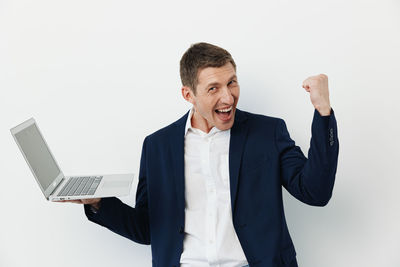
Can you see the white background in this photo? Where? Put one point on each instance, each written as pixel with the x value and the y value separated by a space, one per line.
pixel 99 76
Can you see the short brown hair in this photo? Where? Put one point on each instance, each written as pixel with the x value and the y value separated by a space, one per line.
pixel 198 57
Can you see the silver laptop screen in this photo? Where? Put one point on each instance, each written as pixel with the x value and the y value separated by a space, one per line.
pixel 38 155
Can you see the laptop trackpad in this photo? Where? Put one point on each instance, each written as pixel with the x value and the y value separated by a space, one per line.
pixel 114 184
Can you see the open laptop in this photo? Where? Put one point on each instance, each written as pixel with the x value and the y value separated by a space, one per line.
pixel 54 185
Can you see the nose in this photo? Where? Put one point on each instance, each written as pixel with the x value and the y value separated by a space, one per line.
pixel 226 97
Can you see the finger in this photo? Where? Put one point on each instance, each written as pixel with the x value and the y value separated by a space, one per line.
pixel 312 79
pixel 307 82
pixel 70 201
pixel 90 200
pixel 307 88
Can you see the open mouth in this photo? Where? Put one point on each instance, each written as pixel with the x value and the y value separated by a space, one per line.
pixel 224 114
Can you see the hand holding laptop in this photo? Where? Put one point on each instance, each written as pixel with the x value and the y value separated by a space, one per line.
pixel 94 202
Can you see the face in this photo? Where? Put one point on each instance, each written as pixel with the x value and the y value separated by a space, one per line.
pixel 217 94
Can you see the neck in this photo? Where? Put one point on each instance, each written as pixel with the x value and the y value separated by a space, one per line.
pixel 200 123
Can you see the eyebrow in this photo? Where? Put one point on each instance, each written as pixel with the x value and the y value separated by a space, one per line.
pixel 217 83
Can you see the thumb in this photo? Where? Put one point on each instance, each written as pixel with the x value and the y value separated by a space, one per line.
pixel 306 87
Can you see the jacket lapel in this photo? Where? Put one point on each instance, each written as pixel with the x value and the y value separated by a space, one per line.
pixel 177 154
pixel 236 146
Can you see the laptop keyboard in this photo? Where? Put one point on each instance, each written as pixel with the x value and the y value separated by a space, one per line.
pixel 79 186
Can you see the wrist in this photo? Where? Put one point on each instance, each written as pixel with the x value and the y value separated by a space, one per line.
pixel 324 111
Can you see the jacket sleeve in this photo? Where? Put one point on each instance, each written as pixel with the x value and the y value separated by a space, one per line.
pixel 310 180
pixel 132 223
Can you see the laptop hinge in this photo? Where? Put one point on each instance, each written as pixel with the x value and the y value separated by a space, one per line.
pixel 55 188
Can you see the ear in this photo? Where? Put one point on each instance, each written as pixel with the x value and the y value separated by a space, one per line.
pixel 187 94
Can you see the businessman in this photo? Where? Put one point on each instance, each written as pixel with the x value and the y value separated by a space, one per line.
pixel 210 184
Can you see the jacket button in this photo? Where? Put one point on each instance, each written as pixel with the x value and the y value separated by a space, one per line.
pixel 181 230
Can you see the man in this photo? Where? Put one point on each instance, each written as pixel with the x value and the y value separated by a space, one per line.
pixel 210 184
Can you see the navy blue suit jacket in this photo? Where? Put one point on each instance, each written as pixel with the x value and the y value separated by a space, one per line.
pixel 262 159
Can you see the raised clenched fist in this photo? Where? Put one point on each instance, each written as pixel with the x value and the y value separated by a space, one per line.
pixel 317 86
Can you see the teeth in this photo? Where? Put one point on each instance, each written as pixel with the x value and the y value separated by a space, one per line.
pixel 225 110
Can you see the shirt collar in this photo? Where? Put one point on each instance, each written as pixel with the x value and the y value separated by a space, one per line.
pixel 189 121
pixel 189 126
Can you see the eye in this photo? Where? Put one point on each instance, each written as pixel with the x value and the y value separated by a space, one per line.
pixel 231 82
pixel 212 89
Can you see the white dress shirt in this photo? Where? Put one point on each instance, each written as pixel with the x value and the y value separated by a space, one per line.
pixel 210 238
